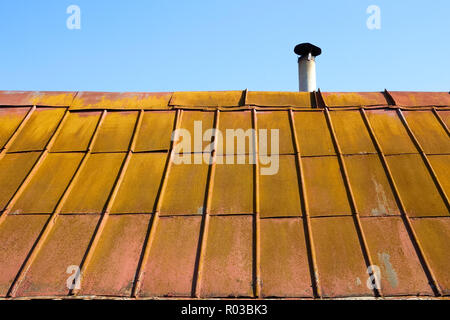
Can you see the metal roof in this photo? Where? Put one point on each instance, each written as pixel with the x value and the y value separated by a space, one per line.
pixel 86 179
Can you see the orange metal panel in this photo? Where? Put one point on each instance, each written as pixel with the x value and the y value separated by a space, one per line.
pixel 390 132
pixel 354 99
pixel 10 119
pixel 445 116
pixel 17 236
pixel 371 188
pixel 38 98
pixel 279 194
pixel 271 120
pixel 64 247
pixel 325 189
pixel 94 185
pixel 156 131
pixel 38 130
pixel 121 100
pixel 13 170
pixel 208 99
pixel 227 270
pixel 416 187
pixel 313 135
pixel 76 132
pixel 232 187
pixel 47 186
pixel 140 185
pixel 434 237
pixel 279 99
pixel 185 191
pixel 239 123
pixel 351 132
pixel 112 270
pixel 392 251
pixel 284 259
pixel 205 121
pixel 340 262
pixel 171 264
pixel 420 99
pixel 441 166
pixel 428 131
pixel 116 132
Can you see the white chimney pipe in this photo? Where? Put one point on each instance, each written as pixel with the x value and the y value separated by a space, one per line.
pixel 307 66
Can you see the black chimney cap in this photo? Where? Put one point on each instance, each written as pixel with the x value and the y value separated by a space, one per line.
pixel 303 49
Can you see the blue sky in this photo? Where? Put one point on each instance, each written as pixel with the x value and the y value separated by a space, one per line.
pixel 222 45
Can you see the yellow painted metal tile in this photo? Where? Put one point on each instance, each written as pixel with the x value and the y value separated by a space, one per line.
pixel 390 132
pixel 354 99
pixel 38 130
pixel 47 186
pixel 275 120
pixel 76 132
pixel 156 131
pixel 10 119
pixel 227 265
pixel 370 185
pixel 325 190
pixel 342 271
pixel 280 192
pixel 351 132
pixel 428 131
pixel 94 184
pixel 193 125
pixel 141 183
pixel 434 237
pixel 116 131
pixel 233 186
pixel 233 126
pixel 445 116
pixel 13 170
pixel 441 166
pixel 313 135
pixel 279 99
pixel 185 191
pixel 416 187
pixel 208 99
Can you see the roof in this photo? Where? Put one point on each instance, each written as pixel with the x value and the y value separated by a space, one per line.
pixel 86 180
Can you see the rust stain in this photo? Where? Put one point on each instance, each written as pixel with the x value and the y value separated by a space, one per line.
pixel 354 99
pixel 279 99
pixel 420 99
pixel 208 99
pixel 38 98
pixel 121 100
pixel 10 119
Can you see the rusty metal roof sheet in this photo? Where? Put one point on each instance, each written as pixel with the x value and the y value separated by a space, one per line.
pixel 89 180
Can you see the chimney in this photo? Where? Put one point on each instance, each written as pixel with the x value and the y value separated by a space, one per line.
pixel 307 66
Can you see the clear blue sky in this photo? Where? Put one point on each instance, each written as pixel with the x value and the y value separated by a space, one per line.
pixel 222 45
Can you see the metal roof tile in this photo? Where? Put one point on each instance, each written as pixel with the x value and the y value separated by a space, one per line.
pixel 279 99
pixel 47 186
pixel 284 259
pixel 325 190
pixel 64 247
pixel 390 132
pixel 434 237
pixel 441 165
pixel 38 130
pixel 428 131
pixel 313 135
pixel 416 187
pixel 171 264
pixel 17 236
pixel 13 170
pixel 93 187
pixel 37 98
pixel 240 122
pixel 208 99
pixel 115 132
pixel 275 120
pixel 121 100
pixel 351 132
pixel 279 194
pixel 203 121
pixel 10 119
pixel 371 188
pixel 445 116
pixel 391 249
pixel 112 270
pixel 76 132
pixel 156 131
pixel 139 188
pixel 420 99
pixel 227 263
pixel 354 99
